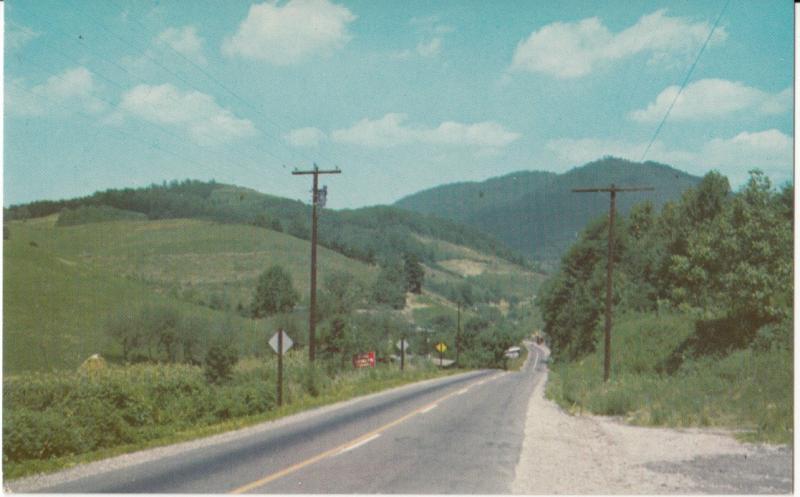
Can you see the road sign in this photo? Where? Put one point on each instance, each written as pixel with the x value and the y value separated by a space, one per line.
pixel 441 347
pixel 287 342
pixel 364 360
pixel 402 344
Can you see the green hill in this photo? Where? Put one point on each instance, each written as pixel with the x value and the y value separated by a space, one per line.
pixel 536 213
pixel 62 283
pixel 190 258
pixel 372 234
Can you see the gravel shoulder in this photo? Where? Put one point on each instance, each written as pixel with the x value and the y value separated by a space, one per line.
pixel 586 454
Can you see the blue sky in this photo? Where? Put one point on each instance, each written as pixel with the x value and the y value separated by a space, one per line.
pixel 402 96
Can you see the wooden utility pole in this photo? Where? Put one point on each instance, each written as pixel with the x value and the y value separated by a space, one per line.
pixel 280 367
pixel 402 353
pixel 610 265
pixel 316 200
pixel 458 332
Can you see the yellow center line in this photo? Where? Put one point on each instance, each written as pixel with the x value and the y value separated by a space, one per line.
pixel 339 448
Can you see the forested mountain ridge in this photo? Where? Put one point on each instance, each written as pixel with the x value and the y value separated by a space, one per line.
pixel 537 213
pixel 370 234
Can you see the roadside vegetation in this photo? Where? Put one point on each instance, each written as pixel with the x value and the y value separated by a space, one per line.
pixel 703 299
pixel 56 420
pixel 179 312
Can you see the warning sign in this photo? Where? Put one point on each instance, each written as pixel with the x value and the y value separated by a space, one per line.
pixel 441 347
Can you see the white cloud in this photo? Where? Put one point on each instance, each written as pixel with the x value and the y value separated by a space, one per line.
pixel 713 98
pixel 73 89
pixel 18 35
pixel 575 49
pixel 184 41
pixel 770 151
pixel 429 48
pixel 203 119
pixel 305 137
pixel 288 34
pixel 391 130
pixel 431 35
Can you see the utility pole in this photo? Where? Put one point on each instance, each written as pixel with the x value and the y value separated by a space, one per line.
pixel 458 332
pixel 280 367
pixel 403 353
pixel 610 265
pixel 316 200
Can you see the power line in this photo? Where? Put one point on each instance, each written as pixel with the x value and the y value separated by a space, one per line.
pixel 158 127
pixel 129 136
pixel 122 87
pixel 249 105
pixel 685 80
pixel 147 55
pixel 219 83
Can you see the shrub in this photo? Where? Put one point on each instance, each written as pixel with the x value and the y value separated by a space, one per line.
pixel 274 293
pixel 220 360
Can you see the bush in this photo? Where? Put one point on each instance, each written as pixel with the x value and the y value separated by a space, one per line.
pixel 29 434
pixel 274 293
pixel 314 380
pixel 220 360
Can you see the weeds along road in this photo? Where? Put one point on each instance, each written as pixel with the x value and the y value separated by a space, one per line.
pixel 460 434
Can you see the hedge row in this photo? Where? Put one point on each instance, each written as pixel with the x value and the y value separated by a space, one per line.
pixel 47 415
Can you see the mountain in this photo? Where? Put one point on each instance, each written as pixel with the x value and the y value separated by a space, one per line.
pixel 537 213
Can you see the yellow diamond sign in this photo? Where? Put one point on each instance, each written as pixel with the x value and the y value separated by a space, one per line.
pixel 441 347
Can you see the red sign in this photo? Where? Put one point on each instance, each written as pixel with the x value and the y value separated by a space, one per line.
pixel 364 360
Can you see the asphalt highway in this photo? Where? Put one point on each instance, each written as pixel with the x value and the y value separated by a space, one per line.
pixel 460 434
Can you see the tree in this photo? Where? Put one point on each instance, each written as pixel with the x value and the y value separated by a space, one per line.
pixel 274 293
pixel 414 272
pixel 390 287
pixel 123 327
pixel 220 360
pixel 340 294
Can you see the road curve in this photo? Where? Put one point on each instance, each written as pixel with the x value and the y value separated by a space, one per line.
pixel 460 434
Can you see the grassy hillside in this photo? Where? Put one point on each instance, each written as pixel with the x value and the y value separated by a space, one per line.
pixel 63 282
pixel 55 305
pixel 197 260
pixel 536 213
pixel 749 390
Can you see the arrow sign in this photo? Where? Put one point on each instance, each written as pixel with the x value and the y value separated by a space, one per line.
pixel 287 342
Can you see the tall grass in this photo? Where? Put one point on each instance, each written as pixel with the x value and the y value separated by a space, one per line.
pixel 54 420
pixel 748 391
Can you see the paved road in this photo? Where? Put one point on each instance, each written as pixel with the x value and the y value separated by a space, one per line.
pixel 460 434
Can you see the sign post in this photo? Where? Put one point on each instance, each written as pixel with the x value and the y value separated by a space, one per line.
pixel 280 344
pixel 402 345
pixel 441 347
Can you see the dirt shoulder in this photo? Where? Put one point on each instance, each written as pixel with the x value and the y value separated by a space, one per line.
pixel 565 454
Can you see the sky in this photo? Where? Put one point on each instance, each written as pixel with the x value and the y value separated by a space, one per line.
pixel 402 96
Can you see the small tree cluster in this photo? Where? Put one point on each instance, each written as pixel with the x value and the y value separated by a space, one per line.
pixel 274 293
pixel 159 333
pixel 220 360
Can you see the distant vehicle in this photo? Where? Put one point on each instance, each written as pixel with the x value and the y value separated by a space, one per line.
pixel 513 352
